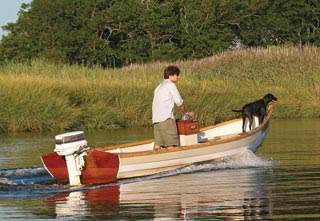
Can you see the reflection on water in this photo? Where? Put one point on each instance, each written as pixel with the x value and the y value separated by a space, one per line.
pixel 280 182
pixel 100 201
pixel 294 143
pixel 236 194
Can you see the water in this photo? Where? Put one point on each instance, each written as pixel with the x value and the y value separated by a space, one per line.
pixel 280 182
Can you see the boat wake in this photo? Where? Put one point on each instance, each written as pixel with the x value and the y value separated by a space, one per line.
pixel 29 175
pixel 36 181
pixel 246 159
pixel 29 181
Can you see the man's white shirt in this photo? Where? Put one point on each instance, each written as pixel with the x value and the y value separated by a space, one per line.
pixel 166 95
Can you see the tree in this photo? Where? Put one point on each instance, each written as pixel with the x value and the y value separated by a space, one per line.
pixel 115 33
pixel 205 28
pixel 274 22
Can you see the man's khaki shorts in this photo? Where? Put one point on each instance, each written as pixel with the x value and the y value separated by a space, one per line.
pixel 166 133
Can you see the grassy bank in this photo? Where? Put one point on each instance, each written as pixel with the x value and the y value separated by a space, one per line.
pixel 42 96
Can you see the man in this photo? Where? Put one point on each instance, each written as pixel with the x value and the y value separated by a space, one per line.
pixel 166 95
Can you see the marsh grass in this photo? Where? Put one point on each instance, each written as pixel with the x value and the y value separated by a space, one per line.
pixel 43 96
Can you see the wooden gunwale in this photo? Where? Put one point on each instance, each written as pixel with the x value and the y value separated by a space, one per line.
pixel 112 147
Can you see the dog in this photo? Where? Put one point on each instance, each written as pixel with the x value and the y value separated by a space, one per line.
pixel 257 108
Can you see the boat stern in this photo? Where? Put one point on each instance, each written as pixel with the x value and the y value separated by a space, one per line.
pixel 73 162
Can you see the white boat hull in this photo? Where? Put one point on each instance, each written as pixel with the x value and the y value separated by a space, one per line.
pixel 110 163
pixel 134 166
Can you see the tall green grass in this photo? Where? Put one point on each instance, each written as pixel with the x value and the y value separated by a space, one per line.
pixel 43 96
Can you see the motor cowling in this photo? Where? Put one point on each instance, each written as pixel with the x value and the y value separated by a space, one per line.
pixel 70 143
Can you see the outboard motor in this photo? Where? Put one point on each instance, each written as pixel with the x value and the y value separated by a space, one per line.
pixel 73 146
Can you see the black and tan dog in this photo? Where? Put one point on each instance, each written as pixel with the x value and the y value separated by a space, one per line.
pixel 257 108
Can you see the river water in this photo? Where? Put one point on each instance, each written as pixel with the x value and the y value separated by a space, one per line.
pixel 280 182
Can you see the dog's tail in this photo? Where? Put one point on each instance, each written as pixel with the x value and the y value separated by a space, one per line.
pixel 237 110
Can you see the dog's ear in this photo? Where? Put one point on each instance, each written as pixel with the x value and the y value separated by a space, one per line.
pixel 268 96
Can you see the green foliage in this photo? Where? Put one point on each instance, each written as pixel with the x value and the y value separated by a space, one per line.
pixel 124 32
pixel 31 104
pixel 43 96
pixel 275 22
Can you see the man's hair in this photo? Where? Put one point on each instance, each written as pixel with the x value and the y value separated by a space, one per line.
pixel 171 70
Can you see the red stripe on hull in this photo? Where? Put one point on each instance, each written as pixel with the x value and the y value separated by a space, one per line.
pixel 100 167
pixel 57 166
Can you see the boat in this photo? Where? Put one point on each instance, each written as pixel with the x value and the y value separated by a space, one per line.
pixel 74 162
